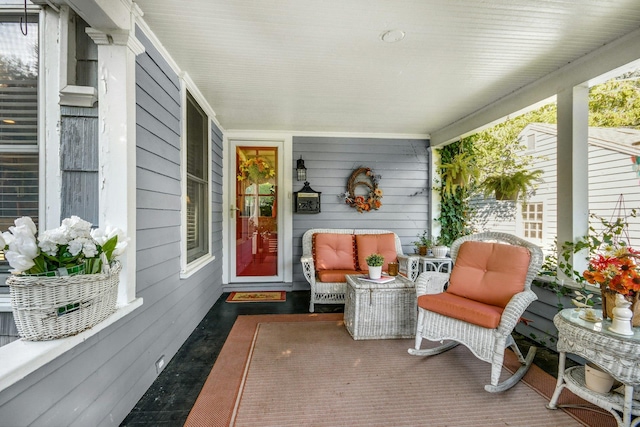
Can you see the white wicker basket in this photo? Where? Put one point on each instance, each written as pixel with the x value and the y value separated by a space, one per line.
pixel 46 308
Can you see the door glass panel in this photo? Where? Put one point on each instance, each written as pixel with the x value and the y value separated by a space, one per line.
pixel 256 213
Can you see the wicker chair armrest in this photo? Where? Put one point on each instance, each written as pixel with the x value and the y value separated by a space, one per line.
pixel 514 310
pixel 408 265
pixel 431 282
pixel 308 268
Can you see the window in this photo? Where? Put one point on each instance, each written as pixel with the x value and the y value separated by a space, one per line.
pixel 531 142
pixel 197 181
pixel 532 220
pixel 18 122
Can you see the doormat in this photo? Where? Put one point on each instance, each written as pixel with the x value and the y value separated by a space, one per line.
pixel 267 296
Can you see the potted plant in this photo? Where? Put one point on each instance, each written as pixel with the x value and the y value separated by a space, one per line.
pixel 440 250
pixel 458 172
pixel 375 262
pixel 423 243
pixel 508 186
pixel 58 273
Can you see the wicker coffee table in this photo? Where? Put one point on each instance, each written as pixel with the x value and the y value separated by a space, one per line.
pixel 380 310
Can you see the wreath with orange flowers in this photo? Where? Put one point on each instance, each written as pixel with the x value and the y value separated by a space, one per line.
pixel 363 203
pixel 255 169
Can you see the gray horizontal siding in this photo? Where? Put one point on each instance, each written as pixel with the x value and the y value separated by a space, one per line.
pixel 100 381
pixel 404 167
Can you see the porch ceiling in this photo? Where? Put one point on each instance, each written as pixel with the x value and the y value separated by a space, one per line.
pixel 309 65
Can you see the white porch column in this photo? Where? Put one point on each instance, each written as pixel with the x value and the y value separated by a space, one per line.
pixel 573 184
pixel 117 50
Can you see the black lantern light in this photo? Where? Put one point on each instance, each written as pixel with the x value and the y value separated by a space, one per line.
pixel 301 170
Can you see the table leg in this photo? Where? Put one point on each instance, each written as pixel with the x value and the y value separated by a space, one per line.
pixel 560 383
pixel 628 403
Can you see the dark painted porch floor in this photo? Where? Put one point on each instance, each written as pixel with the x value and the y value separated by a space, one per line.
pixel 170 398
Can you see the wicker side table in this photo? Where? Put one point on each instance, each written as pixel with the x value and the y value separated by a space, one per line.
pixel 618 355
pixel 429 263
pixel 380 311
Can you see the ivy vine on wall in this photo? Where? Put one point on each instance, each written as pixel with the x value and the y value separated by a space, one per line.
pixel 455 210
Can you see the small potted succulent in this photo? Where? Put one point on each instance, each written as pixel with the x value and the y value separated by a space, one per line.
pixel 375 262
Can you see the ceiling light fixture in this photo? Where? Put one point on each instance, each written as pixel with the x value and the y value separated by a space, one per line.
pixel 9 121
pixel 392 36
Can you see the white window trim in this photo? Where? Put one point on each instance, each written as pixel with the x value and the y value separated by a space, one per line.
pixel 189 268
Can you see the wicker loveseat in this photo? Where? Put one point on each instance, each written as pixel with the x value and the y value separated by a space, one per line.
pixel 330 254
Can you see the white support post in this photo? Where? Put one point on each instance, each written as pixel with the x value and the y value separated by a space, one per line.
pixel 117 50
pixel 573 178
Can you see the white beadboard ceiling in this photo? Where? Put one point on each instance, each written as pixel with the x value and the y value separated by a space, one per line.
pixel 320 66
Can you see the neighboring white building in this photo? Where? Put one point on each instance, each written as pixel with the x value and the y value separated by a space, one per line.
pixel 612 154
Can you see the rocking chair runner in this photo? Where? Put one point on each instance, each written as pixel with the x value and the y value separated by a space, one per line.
pixel 489 289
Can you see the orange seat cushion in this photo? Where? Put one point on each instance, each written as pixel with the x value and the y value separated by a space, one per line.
pixel 332 251
pixel 383 244
pixel 335 276
pixel 457 307
pixel 489 273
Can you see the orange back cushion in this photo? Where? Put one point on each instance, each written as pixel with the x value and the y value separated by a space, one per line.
pixel 333 251
pixel 489 272
pixel 383 244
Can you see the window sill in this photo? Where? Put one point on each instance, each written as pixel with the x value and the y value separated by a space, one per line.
pixel 21 358
pixel 196 266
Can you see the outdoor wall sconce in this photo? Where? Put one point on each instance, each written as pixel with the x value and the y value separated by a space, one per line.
pixel 301 170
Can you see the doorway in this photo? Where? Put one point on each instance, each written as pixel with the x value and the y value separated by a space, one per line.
pixel 256 224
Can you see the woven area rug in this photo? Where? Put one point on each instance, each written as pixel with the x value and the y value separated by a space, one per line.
pixel 266 296
pixel 306 370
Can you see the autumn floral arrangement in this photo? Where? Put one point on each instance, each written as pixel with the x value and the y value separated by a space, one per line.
pixel 363 203
pixel 615 269
pixel 256 169
pixel 616 272
pixel 72 248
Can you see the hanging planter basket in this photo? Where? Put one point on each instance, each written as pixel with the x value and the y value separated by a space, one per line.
pixel 513 196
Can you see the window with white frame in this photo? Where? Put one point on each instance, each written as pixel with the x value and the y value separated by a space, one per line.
pixel 197 180
pixel 18 121
pixel 532 220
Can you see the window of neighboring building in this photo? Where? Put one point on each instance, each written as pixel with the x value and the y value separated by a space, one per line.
pixel 18 122
pixel 197 180
pixel 531 142
pixel 532 220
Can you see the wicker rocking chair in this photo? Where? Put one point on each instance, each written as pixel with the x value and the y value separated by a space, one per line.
pixel 489 288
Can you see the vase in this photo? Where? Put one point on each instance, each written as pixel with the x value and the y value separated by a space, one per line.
pixel 439 251
pixel 596 379
pixel 622 315
pixel 609 303
pixel 375 272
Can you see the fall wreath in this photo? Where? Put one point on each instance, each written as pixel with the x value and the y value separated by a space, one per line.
pixel 256 169
pixel 363 203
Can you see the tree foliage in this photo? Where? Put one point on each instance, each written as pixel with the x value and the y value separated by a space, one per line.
pixel 497 150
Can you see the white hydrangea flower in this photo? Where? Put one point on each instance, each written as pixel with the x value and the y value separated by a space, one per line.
pixel 77 227
pixel 2 242
pixel 76 246
pixel 51 239
pixel 89 249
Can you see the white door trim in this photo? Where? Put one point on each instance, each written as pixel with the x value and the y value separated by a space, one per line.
pixel 285 142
